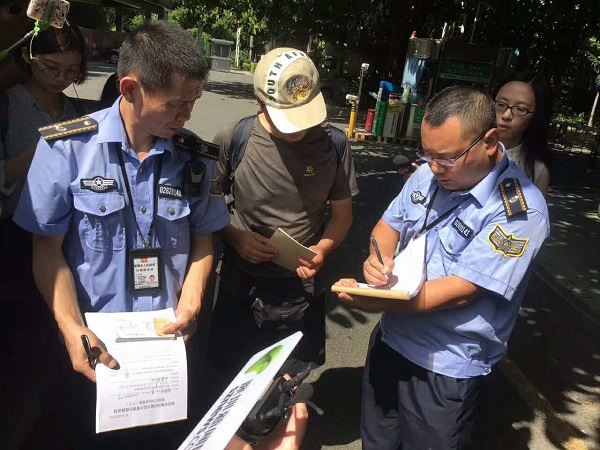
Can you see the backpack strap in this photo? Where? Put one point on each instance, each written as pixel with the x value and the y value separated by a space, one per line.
pixel 339 139
pixel 3 116
pixel 237 148
pixel 239 141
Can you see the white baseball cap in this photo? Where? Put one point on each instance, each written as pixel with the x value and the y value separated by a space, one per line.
pixel 287 82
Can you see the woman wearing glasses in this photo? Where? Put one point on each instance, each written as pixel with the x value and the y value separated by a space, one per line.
pixel 54 59
pixel 523 105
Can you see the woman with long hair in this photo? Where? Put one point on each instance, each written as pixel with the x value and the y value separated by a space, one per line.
pixel 523 105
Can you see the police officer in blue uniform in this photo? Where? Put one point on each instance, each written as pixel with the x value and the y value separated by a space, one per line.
pixel 121 216
pixel 483 223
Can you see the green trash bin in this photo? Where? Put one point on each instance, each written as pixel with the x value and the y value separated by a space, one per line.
pixel 252 67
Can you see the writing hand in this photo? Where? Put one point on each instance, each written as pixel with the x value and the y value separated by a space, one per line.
pixel 376 274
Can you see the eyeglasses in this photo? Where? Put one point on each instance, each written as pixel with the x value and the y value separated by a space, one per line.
pixel 70 73
pixel 516 110
pixel 448 162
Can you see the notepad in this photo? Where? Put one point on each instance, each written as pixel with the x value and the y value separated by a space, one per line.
pixel 406 279
pixel 289 250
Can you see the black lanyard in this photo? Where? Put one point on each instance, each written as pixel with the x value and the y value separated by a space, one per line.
pixel 426 227
pixel 157 172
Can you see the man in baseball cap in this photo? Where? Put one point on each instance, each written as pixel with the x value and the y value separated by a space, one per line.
pixel 287 82
pixel 285 167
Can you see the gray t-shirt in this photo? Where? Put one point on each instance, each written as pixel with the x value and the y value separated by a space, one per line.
pixel 287 185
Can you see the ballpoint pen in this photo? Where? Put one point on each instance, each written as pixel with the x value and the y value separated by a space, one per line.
pixel 378 252
pixel 88 351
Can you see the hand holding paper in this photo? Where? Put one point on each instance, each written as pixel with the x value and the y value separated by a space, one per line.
pixel 253 247
pixel 289 250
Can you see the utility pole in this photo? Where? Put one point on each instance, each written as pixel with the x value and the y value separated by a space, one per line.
pixel 594 106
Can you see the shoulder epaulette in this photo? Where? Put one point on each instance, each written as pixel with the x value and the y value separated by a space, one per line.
pixel 189 142
pixel 512 196
pixel 68 128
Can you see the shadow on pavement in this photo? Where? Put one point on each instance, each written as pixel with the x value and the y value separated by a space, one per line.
pixel 337 392
pixel 244 91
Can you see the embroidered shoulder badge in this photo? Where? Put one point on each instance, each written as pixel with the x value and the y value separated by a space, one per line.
pixel 417 197
pixel 216 190
pixel 512 196
pixel 97 184
pixel 506 243
pixel 68 128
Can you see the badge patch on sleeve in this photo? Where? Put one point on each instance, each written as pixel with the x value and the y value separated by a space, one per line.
pixel 507 243
pixel 417 197
pixel 216 190
pixel 97 184
pixel 462 229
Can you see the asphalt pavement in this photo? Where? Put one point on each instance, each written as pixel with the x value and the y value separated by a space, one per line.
pixel 547 394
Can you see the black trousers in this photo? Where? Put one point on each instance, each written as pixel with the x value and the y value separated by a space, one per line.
pixel 235 335
pixel 405 406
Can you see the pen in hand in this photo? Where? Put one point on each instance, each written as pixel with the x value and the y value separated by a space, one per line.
pixel 377 252
pixel 88 351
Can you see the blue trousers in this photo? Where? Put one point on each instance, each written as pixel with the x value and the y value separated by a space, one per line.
pixel 405 406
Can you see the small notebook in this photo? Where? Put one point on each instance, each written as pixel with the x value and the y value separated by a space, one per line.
pixel 289 250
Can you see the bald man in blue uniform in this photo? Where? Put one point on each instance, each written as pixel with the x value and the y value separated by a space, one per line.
pixel 484 222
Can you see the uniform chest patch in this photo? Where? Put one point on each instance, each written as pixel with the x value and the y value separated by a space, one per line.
pixel 169 191
pixel 98 184
pixel 462 229
pixel 507 243
pixel 417 197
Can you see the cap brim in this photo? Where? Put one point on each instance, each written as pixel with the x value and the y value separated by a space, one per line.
pixel 293 120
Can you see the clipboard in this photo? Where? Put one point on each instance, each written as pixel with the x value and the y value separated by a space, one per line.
pixel 389 294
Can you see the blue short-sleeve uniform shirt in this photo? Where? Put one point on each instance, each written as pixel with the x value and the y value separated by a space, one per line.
pixel 75 188
pixel 480 243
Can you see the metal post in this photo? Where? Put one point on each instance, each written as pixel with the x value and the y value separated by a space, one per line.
pixel 352 123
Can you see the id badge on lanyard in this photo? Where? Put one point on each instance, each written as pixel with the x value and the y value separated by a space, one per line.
pixel 146 270
pixel 145 266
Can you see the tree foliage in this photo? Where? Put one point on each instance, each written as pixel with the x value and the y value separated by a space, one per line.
pixel 553 36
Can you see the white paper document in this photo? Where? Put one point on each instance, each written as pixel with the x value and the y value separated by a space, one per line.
pixel 289 250
pixel 150 385
pixel 409 269
pixel 220 423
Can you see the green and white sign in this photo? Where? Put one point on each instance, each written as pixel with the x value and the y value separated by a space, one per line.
pixel 465 70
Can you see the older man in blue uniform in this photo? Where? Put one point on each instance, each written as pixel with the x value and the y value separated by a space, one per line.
pixel 113 192
pixel 484 222
pixel 122 216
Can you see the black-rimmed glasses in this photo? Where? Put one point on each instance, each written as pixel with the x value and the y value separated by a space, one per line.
pixel 515 110
pixel 448 162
